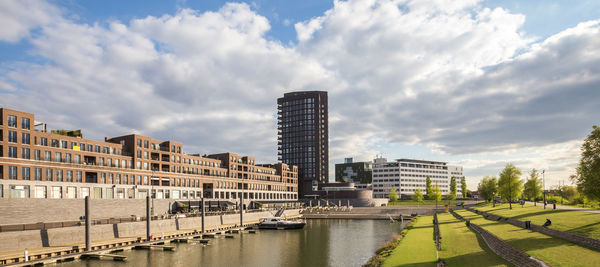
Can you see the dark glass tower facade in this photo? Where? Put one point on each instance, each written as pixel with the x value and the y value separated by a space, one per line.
pixel 303 137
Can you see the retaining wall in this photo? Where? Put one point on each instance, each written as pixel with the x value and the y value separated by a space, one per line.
pixel 76 235
pixel 32 210
pixel 571 237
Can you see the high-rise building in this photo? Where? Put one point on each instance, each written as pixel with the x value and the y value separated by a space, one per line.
pixel 408 175
pixel 303 138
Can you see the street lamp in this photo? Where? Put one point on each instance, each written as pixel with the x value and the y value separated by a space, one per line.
pixel 544 185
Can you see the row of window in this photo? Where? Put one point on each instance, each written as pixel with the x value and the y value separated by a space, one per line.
pixel 409 170
pixel 12 122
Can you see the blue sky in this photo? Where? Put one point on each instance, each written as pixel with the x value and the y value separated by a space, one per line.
pixel 439 79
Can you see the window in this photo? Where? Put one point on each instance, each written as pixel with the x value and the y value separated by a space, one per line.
pixel 59 175
pixel 19 191
pixel 146 144
pixel 139 142
pixel 48 174
pixel 54 143
pixel 26 173
pixel 44 141
pixel 77 159
pixel 67 157
pixel 12 152
pixel 78 177
pixel 36 154
pixel 118 179
pixel 139 153
pixel 97 148
pixel 64 144
pixel 102 178
pixel 25 153
pixel 82 146
pixel 38 174
pixel 57 156
pixel 47 156
pixel 69 176
pixel 25 138
pixel 145 154
pixel 12 121
pixel 101 162
pixel 25 123
pixel 125 179
pixel 12 172
pixel 12 136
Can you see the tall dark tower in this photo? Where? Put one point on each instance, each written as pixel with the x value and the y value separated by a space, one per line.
pixel 303 137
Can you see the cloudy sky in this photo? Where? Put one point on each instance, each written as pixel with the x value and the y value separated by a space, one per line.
pixel 475 83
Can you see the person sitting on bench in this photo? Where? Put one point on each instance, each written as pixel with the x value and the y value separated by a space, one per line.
pixel 547 223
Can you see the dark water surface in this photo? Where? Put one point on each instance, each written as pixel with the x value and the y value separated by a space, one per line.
pixel 320 243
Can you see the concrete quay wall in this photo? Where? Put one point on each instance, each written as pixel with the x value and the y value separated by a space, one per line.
pixel 32 210
pixel 76 235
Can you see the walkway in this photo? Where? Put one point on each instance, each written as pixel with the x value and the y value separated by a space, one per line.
pixel 559 207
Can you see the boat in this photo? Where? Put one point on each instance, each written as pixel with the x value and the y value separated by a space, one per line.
pixel 278 223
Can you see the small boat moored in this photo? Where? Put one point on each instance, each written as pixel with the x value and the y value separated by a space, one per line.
pixel 278 223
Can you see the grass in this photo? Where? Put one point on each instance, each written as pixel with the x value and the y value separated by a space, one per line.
pixel 417 247
pixel 427 202
pixel 462 247
pixel 554 251
pixel 579 222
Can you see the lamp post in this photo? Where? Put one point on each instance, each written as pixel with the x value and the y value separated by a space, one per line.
pixel 544 185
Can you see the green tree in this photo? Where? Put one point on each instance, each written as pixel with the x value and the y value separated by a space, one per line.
pixel 463 186
pixel 568 192
pixel 418 196
pixel 393 195
pixel 428 191
pixel 533 186
pixel 452 194
pixel 436 193
pixel 588 171
pixel 488 188
pixel 510 185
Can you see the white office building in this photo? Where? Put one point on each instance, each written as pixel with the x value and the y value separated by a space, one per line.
pixel 408 175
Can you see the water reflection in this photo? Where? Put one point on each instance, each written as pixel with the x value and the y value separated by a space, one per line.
pixel 320 243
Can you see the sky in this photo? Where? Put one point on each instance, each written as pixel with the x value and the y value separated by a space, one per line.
pixel 476 83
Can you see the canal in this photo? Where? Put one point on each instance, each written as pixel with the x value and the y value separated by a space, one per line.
pixel 320 243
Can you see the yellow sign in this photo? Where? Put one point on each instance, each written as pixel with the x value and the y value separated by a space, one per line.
pixel 76 148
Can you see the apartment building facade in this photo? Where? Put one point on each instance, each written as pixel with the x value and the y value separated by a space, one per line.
pixel 38 164
pixel 408 175
pixel 303 137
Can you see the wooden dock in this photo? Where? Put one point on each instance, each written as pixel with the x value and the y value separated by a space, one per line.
pixel 158 247
pixel 101 256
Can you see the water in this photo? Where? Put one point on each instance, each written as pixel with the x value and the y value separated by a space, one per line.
pixel 320 243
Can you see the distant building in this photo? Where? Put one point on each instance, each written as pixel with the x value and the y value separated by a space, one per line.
pixel 303 138
pixel 407 175
pixel 359 173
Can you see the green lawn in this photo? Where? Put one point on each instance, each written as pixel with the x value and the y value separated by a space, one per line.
pixel 579 222
pixel 462 247
pixel 424 203
pixel 417 248
pixel 554 251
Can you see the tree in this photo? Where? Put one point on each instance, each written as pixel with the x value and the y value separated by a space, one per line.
pixel 452 194
pixel 393 195
pixel 428 191
pixel 568 192
pixel 436 193
pixel 533 186
pixel 488 188
pixel 463 186
pixel 510 185
pixel 588 171
pixel 418 196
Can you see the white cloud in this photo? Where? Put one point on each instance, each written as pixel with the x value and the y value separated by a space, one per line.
pixel 19 17
pixel 454 76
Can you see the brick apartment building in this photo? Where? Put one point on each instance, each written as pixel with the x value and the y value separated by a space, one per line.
pixel 37 164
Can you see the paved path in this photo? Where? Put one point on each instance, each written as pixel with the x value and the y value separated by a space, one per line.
pixel 559 207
